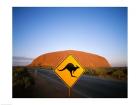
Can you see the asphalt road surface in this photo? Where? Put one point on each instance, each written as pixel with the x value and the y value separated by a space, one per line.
pixel 49 85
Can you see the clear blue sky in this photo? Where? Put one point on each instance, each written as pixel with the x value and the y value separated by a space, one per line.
pixel 96 30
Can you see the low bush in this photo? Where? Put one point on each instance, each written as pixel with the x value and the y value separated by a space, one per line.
pixel 112 72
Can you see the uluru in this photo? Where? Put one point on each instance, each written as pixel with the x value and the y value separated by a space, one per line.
pixel 87 60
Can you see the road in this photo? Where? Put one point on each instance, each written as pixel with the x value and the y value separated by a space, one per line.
pixel 48 84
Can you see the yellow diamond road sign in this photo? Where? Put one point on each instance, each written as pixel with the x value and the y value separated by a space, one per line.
pixel 69 70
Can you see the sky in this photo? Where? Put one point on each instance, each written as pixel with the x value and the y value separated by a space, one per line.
pixel 98 30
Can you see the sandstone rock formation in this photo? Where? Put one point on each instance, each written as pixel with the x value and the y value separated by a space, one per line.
pixel 86 60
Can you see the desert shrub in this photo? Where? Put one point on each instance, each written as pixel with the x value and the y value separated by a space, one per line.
pixel 111 72
pixel 22 78
pixel 41 67
pixel 89 71
pixel 49 67
pixel 23 82
pixel 102 72
pixel 118 74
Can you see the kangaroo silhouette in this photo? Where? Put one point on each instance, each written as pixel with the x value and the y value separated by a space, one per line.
pixel 71 68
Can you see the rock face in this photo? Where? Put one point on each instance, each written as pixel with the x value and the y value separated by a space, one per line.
pixel 86 60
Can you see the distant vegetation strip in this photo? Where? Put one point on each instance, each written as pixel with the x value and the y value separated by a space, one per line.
pixel 119 73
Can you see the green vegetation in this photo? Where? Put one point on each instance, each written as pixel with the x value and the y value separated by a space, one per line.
pixel 22 77
pixel 119 73
pixel 22 81
pixel 41 67
pixel 89 71
pixel 49 68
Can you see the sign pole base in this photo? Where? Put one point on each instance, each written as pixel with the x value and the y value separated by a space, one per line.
pixel 69 91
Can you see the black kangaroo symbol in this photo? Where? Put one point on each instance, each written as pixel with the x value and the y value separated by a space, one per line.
pixel 71 68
